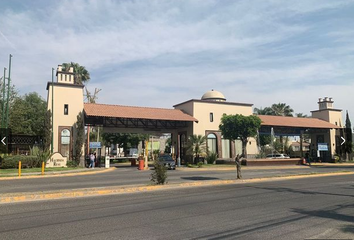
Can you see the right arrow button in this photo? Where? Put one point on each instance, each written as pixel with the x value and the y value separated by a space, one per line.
pixel 343 140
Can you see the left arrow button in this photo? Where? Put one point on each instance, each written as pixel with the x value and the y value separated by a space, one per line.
pixel 2 141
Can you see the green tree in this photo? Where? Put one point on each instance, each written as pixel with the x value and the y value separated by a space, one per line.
pixel 196 145
pixel 301 115
pixel 81 75
pixel 27 115
pixel 47 131
pixel 263 111
pixel 348 145
pixel 124 140
pixel 281 109
pixel 79 129
pixel 240 127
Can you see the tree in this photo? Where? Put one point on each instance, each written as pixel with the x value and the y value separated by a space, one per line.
pixel 124 140
pixel 81 75
pixel 47 130
pixel 281 109
pixel 196 145
pixel 79 128
pixel 301 115
pixel 348 145
pixel 263 111
pixel 27 115
pixel 240 127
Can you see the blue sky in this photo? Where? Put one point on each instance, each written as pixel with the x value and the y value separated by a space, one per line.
pixel 160 53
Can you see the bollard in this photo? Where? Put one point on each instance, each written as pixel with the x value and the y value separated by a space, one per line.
pixel 19 168
pixel 42 168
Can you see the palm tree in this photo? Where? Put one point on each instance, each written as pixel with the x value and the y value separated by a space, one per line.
pixel 196 145
pixel 81 74
pixel 281 109
pixel 263 111
pixel 301 115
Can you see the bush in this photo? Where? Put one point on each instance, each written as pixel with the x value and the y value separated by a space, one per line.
pixel 200 164
pixel 211 157
pixel 159 175
pixel 71 164
pixel 27 161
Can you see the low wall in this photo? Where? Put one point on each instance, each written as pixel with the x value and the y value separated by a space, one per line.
pixel 273 162
pixel 263 162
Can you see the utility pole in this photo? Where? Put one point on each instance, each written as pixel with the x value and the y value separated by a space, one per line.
pixel 52 145
pixel 3 100
pixel 8 94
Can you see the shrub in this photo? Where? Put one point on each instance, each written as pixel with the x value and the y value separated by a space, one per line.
pixel 211 157
pixel 159 175
pixel 200 164
pixel 12 161
pixel 71 164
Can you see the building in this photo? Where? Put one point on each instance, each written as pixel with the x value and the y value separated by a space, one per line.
pixel 195 116
pixel 67 103
pixel 209 110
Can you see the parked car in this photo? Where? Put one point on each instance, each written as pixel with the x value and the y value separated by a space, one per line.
pixel 167 161
pixel 277 156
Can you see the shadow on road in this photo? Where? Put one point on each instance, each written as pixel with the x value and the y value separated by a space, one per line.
pixel 199 178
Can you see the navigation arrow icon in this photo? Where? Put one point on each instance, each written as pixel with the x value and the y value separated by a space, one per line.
pixel 2 141
pixel 343 140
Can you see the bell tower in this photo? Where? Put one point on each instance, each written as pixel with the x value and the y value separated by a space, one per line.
pixel 65 101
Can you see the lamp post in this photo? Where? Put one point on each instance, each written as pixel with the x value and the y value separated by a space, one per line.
pixel 8 94
pixel 3 100
pixel 52 145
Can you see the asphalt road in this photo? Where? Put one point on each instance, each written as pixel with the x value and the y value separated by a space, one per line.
pixel 322 208
pixel 131 176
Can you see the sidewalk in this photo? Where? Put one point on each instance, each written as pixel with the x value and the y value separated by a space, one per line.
pixel 76 172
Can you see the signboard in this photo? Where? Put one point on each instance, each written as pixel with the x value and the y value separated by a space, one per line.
pixel 322 147
pixel 133 152
pixel 95 144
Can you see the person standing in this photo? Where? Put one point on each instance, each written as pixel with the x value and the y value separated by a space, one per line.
pixel 92 161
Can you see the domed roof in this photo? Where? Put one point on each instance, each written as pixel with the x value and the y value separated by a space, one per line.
pixel 213 96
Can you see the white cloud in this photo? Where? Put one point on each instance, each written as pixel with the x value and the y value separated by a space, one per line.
pixel 253 51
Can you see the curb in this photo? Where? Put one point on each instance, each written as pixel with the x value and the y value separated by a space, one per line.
pixel 58 174
pixel 91 192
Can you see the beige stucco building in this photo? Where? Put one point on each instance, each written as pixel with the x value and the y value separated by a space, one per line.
pixel 329 114
pixel 68 103
pixel 195 116
pixel 209 110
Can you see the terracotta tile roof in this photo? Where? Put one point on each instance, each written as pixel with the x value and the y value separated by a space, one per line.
pixel 119 111
pixel 281 121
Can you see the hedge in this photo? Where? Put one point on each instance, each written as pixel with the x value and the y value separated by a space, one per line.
pixel 27 161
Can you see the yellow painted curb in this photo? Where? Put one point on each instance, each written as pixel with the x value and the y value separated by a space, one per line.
pixel 88 172
pixel 90 192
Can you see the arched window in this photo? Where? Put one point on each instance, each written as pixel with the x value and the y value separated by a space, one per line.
pixel 65 142
pixel 65 136
pixel 212 143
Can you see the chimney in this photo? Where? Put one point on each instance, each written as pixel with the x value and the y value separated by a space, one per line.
pixel 326 103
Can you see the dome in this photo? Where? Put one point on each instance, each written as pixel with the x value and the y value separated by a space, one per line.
pixel 214 96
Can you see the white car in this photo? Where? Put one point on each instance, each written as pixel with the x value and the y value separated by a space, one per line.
pixel 278 155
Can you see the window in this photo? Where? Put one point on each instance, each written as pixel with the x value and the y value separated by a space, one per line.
pixel 66 109
pixel 65 142
pixel 225 148
pixel 211 117
pixel 212 146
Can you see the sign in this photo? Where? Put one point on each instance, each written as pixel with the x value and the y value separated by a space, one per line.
pixel 57 160
pixel 95 144
pixel 322 147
